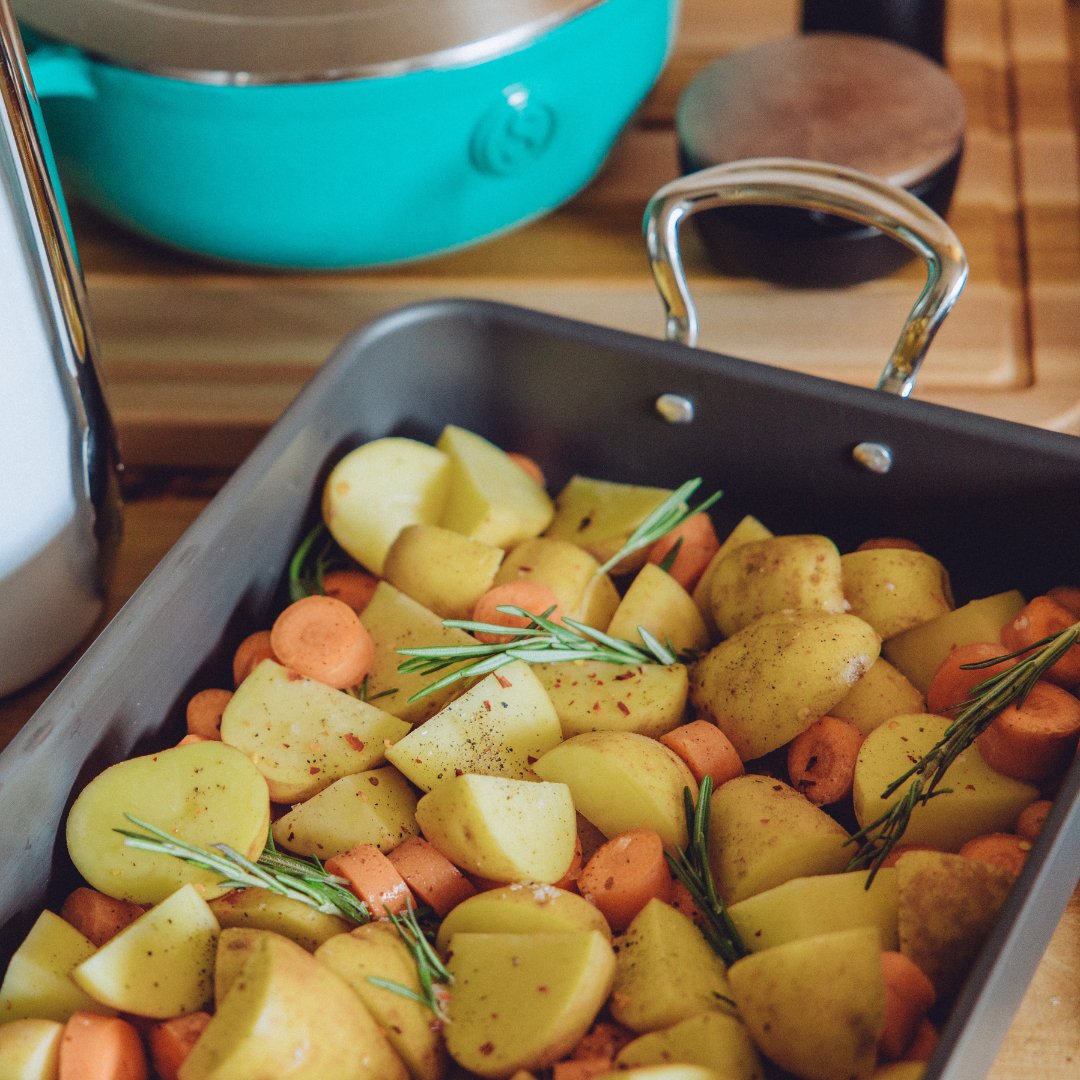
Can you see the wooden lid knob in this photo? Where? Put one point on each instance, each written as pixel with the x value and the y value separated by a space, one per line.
pixel 847 99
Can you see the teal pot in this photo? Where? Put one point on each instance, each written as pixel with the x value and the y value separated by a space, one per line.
pixel 398 162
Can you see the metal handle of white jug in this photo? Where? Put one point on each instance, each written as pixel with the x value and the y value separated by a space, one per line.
pixel 64 463
pixel 829 189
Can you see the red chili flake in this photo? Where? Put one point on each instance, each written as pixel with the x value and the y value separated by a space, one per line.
pixel 504 682
pixel 596 706
pixel 625 675
pixel 314 770
pixel 294 676
pixel 356 743
pixel 373 781
pixel 459 772
pixel 623 708
pixel 531 760
pixel 487 1048
pixel 542 989
pixel 487 706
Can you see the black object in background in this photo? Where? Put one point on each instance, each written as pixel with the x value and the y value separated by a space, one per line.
pixel 919 24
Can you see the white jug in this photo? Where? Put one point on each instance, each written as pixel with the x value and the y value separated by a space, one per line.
pixel 59 502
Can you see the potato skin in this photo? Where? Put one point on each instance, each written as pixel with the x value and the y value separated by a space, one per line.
pixel 773 679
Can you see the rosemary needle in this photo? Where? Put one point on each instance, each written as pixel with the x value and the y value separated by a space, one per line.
pixel 671 512
pixel 431 971
pixel 286 875
pixel 973 716
pixel 692 868
pixel 541 642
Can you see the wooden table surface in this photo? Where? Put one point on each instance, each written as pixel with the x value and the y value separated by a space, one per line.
pixel 199 360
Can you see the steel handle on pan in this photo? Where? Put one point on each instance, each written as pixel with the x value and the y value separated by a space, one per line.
pixel 831 189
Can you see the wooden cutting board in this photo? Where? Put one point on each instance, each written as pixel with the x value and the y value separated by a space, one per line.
pixel 200 359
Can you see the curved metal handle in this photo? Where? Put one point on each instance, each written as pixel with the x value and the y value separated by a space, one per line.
pixel 830 189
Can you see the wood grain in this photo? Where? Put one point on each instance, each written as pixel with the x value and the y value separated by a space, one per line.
pixel 200 359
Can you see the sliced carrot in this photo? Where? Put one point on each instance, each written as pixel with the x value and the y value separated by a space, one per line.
pixel 203 713
pixel 249 653
pixel 95 1047
pixel 909 993
pixel 682 900
pixel 1006 850
pixel 96 916
pixel 530 596
pixel 569 880
pixel 582 1068
pixel 324 639
pixel 821 760
pixel 952 683
pixel 432 877
pixel 373 878
pixel 902 849
pixel 1033 738
pixel 603 1040
pixel 1039 618
pixel 1030 821
pixel 706 750
pixel 625 874
pixel 352 587
pixel 889 542
pixel 697 544
pixel 924 1044
pixel 1068 596
pixel 523 461
pixel 172 1040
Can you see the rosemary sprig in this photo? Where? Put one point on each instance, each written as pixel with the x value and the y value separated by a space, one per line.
pixel 286 875
pixel 431 971
pixel 973 716
pixel 541 642
pixel 692 868
pixel 671 512
pixel 316 554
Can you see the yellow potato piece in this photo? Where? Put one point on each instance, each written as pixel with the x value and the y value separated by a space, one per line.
pixel 711 1039
pixel 203 793
pixel 160 965
pixel 303 735
pixel 30 1049
pixel 523 1001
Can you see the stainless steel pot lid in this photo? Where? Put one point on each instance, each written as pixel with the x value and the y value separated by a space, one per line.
pixel 235 41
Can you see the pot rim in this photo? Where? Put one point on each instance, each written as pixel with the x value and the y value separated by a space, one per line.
pixel 269 55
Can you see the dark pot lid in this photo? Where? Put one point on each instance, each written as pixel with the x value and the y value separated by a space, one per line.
pixel 239 41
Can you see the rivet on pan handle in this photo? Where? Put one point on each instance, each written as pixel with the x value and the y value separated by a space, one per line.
pixel 830 189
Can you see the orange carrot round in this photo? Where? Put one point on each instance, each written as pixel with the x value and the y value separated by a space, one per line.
pixel 625 874
pixel 924 1044
pixel 373 878
pixel 96 916
pixel 95 1047
pixel 1039 618
pixel 821 760
pixel 250 653
pixel 909 993
pixel 952 683
pixel 529 465
pixel 530 596
pixel 697 543
pixel 432 877
pixel 1032 739
pixel 204 711
pixel 1068 596
pixel 889 542
pixel 171 1041
pixel 1030 821
pixel 324 639
pixel 706 750
pixel 352 587
pixel 999 849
